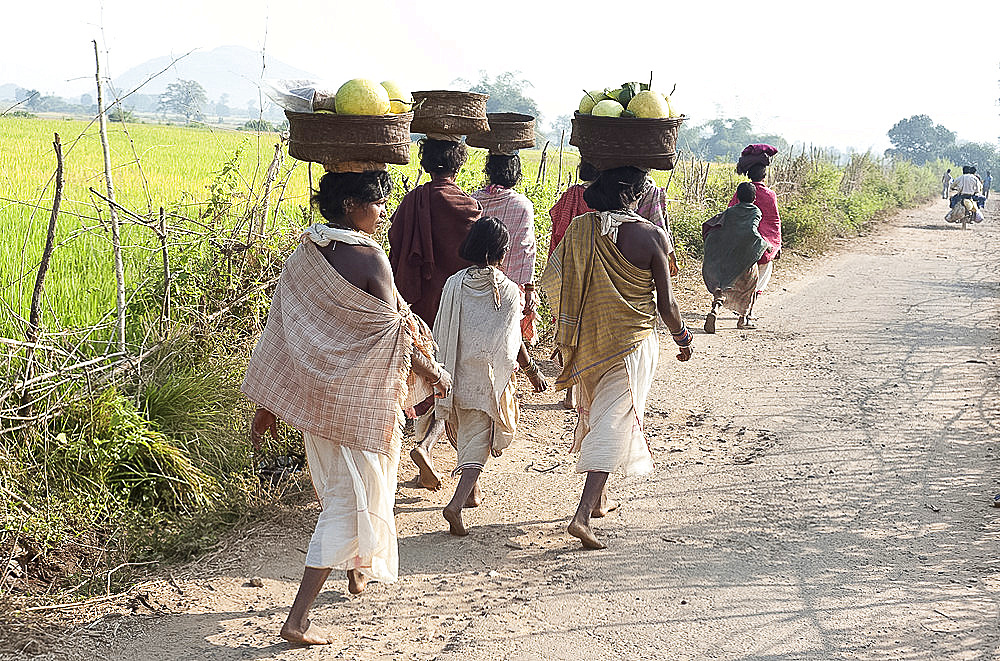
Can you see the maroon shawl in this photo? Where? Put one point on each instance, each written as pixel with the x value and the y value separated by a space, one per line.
pixel 427 229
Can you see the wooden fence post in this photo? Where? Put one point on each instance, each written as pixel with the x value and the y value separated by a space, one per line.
pixel 116 241
pixel 35 311
pixel 165 312
pixel 562 136
pixel 540 176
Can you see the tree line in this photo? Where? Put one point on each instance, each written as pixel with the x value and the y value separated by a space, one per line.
pixel 919 140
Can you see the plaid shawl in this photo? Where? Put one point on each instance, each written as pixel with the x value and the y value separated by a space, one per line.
pixel 603 305
pixel 569 206
pixel 517 214
pixel 333 360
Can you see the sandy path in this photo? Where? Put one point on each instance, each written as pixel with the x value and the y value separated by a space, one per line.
pixel 821 492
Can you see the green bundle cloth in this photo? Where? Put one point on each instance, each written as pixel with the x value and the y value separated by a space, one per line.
pixel 732 245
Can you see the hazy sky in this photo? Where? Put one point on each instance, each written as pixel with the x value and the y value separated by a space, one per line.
pixel 827 73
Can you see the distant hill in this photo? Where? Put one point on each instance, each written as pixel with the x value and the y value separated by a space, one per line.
pixel 8 91
pixel 232 70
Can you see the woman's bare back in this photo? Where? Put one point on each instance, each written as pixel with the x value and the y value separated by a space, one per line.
pixel 365 267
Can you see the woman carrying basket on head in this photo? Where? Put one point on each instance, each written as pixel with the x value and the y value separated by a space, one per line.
pixel 499 199
pixel 753 163
pixel 427 229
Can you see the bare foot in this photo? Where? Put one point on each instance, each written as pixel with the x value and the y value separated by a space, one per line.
pixel 356 581
pixel 585 535
pixel 569 401
pixel 475 497
pixel 309 635
pixel 710 319
pixel 428 478
pixel 607 505
pixel 454 519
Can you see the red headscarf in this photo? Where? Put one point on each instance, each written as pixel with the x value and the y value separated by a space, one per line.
pixel 753 155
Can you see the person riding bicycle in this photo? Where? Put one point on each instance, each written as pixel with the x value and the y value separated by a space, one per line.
pixel 968 186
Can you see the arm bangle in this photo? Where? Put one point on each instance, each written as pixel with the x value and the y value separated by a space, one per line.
pixel 684 338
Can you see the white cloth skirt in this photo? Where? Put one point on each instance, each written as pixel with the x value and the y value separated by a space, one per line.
pixel 357 491
pixel 474 435
pixel 609 434
pixel 764 275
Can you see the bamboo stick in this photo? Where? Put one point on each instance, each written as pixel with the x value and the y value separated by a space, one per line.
pixel 562 136
pixel 116 242
pixel 35 314
pixel 165 312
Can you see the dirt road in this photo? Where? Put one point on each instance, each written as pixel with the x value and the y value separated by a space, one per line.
pixel 822 491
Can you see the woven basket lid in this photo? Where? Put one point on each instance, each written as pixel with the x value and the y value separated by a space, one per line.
pixel 509 131
pixel 449 112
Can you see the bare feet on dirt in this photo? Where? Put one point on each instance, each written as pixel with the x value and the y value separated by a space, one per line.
pixel 475 498
pixel 307 635
pixel 454 519
pixel 585 535
pixel 356 581
pixel 428 477
pixel 606 505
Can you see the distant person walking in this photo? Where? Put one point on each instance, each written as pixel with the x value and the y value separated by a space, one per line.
pixel 732 247
pixel 987 181
pixel 753 163
pixel 945 184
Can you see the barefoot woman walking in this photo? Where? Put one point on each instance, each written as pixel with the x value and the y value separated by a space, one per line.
pixel 333 362
pixel 606 281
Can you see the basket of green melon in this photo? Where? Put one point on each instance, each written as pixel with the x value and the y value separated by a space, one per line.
pixel 364 121
pixel 629 125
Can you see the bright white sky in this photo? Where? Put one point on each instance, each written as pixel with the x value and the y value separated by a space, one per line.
pixel 835 73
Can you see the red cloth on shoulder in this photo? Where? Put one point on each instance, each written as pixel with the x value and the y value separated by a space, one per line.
pixel 569 206
pixel 427 230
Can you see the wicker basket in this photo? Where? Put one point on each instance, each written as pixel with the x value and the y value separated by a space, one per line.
pixel 328 138
pixel 443 111
pixel 612 142
pixel 509 131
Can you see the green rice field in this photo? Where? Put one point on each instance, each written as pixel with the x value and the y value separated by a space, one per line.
pixel 187 171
